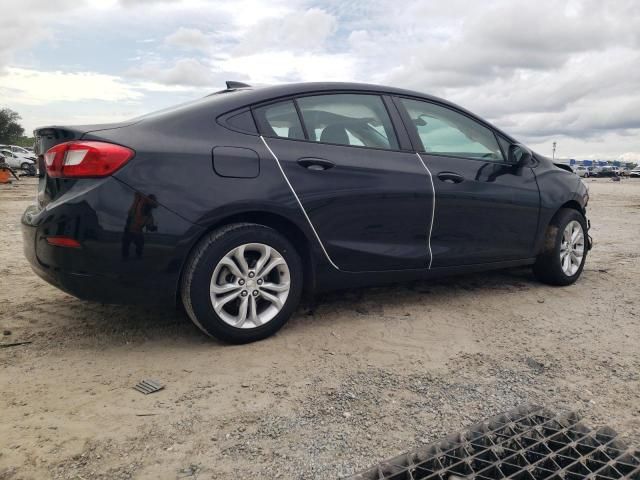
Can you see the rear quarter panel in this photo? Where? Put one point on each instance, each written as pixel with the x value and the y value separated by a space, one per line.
pixel 174 162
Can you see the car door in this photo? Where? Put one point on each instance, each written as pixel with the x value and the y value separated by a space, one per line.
pixel 486 209
pixel 369 202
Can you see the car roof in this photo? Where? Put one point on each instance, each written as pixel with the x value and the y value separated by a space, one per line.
pixel 231 99
pixel 265 93
pixel 246 96
pixel 302 87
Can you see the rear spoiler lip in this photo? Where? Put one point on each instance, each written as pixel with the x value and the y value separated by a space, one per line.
pixel 74 132
pixel 84 129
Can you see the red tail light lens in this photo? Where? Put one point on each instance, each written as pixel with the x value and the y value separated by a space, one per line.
pixel 85 159
pixel 61 241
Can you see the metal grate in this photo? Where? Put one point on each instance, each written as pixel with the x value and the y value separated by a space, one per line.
pixel 528 443
pixel 148 386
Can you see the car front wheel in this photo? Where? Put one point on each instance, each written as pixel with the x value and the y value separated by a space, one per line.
pixel 242 283
pixel 565 249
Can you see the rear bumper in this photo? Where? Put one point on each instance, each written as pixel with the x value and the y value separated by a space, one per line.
pixel 111 266
pixel 87 286
pixel 95 287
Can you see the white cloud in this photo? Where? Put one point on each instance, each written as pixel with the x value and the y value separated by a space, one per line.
pixel 279 67
pixel 245 13
pixel 33 87
pixel 144 3
pixel 189 38
pixel 185 72
pixel 305 31
pixel 24 23
pixel 630 157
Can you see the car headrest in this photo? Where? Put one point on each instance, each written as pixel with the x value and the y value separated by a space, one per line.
pixel 335 134
pixel 295 132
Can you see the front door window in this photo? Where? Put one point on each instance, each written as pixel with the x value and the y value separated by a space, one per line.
pixel 443 131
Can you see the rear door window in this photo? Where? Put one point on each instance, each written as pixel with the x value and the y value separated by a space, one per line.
pixel 348 119
pixel 279 120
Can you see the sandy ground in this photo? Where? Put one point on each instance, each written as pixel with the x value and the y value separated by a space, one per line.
pixel 362 377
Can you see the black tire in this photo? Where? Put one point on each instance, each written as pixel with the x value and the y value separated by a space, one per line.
pixel 25 166
pixel 548 268
pixel 197 274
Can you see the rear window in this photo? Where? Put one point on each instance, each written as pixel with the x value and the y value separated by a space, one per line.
pixel 348 119
pixel 279 120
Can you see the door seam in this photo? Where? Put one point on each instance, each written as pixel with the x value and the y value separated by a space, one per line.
pixel 304 212
pixel 433 208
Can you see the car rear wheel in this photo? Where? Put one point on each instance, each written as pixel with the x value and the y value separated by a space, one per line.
pixel 565 249
pixel 242 283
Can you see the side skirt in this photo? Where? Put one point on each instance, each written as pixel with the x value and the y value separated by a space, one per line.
pixel 329 280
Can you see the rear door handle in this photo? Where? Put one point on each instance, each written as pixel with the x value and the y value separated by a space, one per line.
pixel 450 177
pixel 316 163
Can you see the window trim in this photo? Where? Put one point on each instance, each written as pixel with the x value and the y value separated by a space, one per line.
pixel 414 136
pixel 300 119
pixel 294 98
pixel 398 123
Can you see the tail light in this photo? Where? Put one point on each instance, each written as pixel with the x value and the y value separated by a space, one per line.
pixel 62 241
pixel 85 159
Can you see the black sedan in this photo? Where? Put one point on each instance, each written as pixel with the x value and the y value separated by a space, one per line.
pixel 236 204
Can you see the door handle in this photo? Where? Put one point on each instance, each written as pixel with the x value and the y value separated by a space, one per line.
pixel 316 164
pixel 450 177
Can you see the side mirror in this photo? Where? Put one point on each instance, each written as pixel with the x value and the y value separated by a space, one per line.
pixel 520 155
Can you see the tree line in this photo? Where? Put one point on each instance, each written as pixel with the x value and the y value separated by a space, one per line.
pixel 11 132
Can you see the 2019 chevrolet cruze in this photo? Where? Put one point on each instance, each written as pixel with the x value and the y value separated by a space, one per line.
pixel 237 203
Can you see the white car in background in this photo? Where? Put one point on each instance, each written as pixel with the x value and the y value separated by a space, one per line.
pixel 20 151
pixel 582 171
pixel 17 161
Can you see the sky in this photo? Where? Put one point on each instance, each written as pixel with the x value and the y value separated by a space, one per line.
pixel 544 71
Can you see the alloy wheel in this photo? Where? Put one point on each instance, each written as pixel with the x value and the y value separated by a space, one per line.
pixel 250 285
pixel 572 248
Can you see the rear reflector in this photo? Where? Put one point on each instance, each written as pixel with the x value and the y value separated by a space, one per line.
pixel 85 159
pixel 60 241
